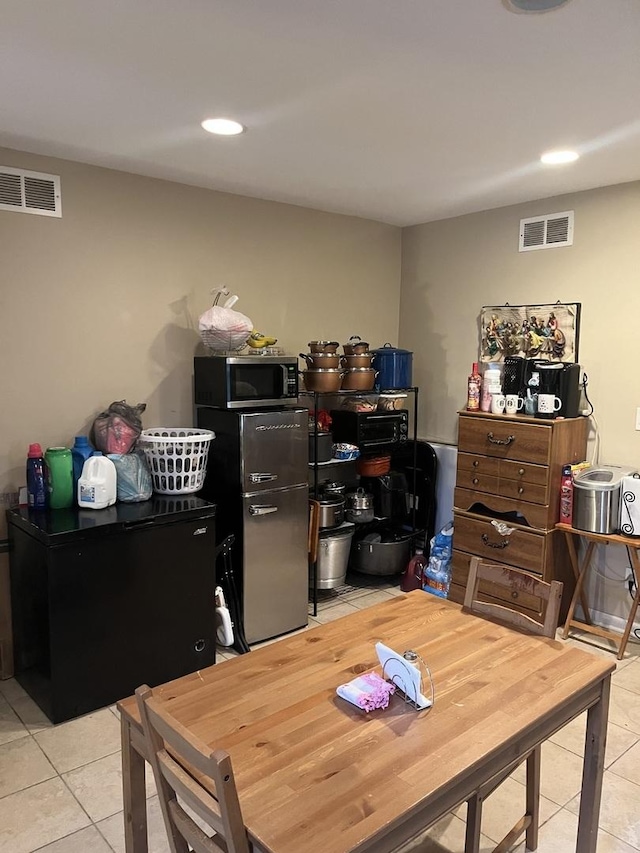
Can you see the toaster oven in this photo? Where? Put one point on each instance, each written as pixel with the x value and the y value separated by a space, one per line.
pixel 370 430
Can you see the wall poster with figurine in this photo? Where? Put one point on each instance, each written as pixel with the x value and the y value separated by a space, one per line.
pixel 549 332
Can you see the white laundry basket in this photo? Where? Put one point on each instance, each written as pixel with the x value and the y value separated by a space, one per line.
pixel 177 458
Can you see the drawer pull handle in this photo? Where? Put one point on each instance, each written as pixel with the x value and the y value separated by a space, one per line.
pixel 502 544
pixel 505 441
pixel 521 472
pixel 475 463
pixel 514 594
pixel 475 481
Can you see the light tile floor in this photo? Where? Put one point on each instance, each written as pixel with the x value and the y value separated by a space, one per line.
pixel 60 786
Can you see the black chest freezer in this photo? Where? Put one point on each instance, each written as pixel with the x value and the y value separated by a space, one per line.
pixel 105 600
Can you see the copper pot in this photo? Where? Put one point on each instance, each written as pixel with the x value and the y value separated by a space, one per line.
pixel 355 346
pixel 363 359
pixel 323 346
pixel 320 360
pixel 322 380
pixel 359 379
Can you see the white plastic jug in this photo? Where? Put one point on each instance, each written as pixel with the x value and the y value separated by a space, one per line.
pixel 97 487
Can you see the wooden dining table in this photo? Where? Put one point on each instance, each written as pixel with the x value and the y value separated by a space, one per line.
pixel 315 773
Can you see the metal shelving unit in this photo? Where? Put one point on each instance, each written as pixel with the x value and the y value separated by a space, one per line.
pixel 317 396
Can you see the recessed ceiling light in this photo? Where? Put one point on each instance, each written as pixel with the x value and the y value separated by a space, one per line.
pixel 536 5
pixel 555 158
pixel 222 126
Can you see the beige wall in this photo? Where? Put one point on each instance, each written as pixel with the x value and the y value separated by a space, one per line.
pixel 103 304
pixel 451 268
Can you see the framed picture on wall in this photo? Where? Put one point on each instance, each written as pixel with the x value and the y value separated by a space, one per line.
pixel 548 332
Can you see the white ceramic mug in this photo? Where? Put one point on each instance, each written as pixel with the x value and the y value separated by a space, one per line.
pixel 513 404
pixel 548 404
pixel 497 404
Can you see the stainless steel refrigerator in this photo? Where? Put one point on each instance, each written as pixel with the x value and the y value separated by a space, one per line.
pixel 257 474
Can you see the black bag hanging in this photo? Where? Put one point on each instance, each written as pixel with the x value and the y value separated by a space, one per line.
pixel 226 580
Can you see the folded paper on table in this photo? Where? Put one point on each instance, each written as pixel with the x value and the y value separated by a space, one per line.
pixel 367 691
pixel 404 674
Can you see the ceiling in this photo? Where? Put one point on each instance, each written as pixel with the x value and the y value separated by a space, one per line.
pixel 403 111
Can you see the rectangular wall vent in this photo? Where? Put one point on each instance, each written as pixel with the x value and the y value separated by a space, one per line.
pixel 30 192
pixel 546 232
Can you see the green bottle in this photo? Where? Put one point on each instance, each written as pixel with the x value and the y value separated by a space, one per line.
pixel 59 464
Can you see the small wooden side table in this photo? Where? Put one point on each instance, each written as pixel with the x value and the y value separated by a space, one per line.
pixel 580 571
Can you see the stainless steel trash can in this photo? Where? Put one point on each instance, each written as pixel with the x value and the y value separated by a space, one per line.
pixel 334 545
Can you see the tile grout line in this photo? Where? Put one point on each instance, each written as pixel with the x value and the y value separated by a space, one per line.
pixel 26 788
pixel 103 836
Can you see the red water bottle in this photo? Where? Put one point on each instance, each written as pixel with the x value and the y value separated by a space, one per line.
pixel 411 578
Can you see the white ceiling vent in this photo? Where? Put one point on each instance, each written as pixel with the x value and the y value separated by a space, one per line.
pixel 546 232
pixel 30 192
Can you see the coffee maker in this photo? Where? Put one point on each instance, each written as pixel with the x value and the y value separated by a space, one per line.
pixel 562 379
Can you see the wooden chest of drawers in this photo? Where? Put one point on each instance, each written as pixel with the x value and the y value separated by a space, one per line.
pixel 509 470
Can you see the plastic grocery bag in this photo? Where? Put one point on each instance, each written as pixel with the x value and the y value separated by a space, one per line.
pixel 134 477
pixel 437 573
pixel 117 429
pixel 224 320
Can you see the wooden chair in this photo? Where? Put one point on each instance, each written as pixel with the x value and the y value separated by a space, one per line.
pixel 515 582
pixel 186 767
pixel 314 533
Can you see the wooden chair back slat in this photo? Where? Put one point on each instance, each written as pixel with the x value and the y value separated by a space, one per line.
pixel 514 581
pixel 191 791
pixel 198 840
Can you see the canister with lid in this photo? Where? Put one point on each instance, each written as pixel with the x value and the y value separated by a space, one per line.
pixel 394 367
pixel 596 498
pixel 491 384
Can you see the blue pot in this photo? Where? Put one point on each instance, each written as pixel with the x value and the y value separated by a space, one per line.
pixel 394 366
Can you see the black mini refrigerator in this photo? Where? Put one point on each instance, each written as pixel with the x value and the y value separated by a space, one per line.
pixel 105 600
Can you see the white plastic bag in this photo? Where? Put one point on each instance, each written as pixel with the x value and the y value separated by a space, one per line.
pixel 224 320
pixel 224 329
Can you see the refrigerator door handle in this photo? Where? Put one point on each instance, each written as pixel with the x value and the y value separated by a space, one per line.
pixel 254 509
pixel 262 478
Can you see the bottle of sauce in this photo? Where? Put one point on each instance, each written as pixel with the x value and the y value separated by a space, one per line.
pixel 566 496
pixel 36 481
pixel 474 385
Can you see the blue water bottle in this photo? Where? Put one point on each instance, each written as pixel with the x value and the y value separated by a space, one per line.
pixel 36 481
pixel 80 452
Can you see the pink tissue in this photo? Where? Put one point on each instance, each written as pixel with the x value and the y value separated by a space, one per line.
pixel 368 691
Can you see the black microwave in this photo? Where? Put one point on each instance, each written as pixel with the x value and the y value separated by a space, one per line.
pixel 245 381
pixel 370 430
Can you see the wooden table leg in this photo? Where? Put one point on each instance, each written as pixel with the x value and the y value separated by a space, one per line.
pixel 573 556
pixel 474 822
pixel 133 793
pixel 635 565
pixel 578 592
pixel 593 771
